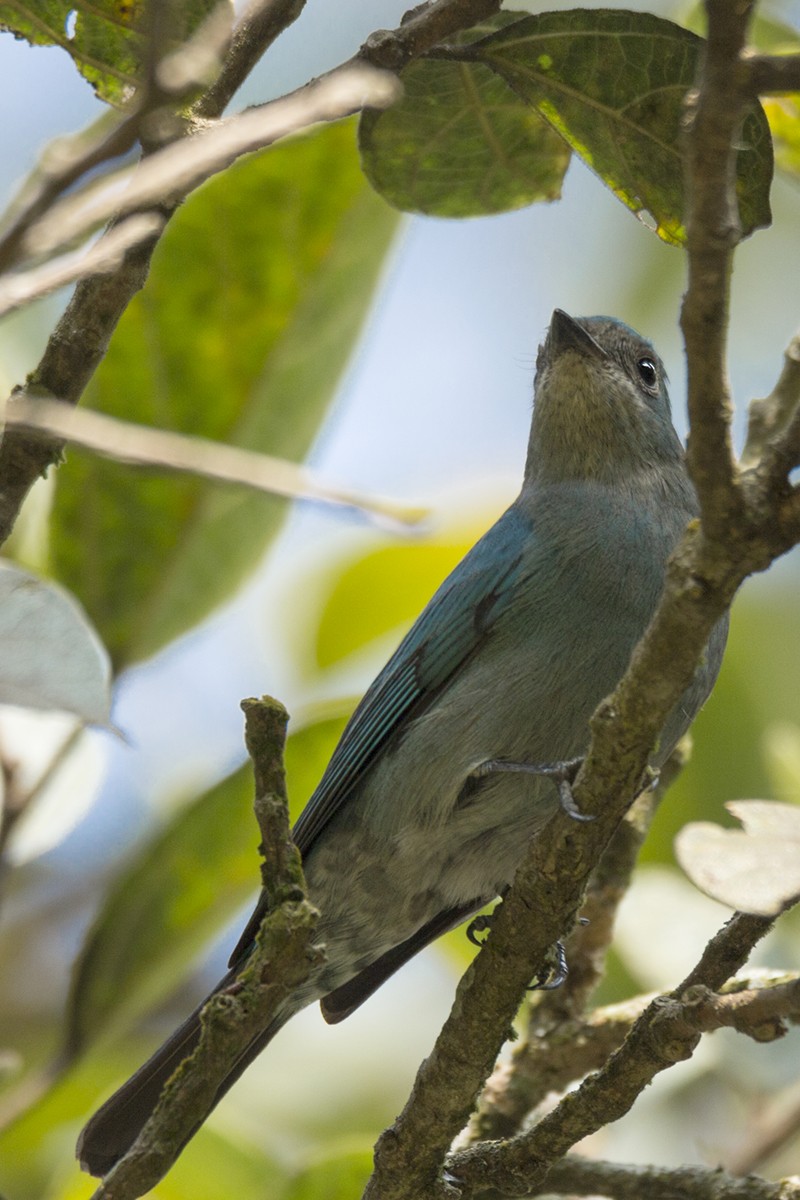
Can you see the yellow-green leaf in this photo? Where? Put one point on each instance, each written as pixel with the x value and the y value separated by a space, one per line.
pixel 107 39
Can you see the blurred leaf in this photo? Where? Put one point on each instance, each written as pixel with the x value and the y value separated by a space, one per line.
pixel 174 895
pixel 105 38
pixel 756 870
pixel 341 1175
pixel 460 143
pixel 37 1152
pixel 42 1139
pixel 177 892
pixel 613 83
pixel 50 657
pixel 782 752
pixel 783 114
pixel 256 295
pixel 383 590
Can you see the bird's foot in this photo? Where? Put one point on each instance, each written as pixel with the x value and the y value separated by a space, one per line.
pixel 563 775
pixel 554 973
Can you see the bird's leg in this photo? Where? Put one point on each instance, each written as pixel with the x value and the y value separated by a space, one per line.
pixel 562 774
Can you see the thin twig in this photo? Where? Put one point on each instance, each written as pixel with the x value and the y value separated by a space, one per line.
pixel 772 74
pixel 167 81
pixel 168 175
pixel 140 444
pixel 81 337
pixel 258 27
pixel 770 415
pixel 18 288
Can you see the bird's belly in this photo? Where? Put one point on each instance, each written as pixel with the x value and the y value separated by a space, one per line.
pixel 413 840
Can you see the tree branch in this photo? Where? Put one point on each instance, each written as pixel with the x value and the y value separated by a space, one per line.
pixel 666 1033
pixel 182 452
pixel 714 113
pixel 282 960
pixel 582 1176
pixel 769 74
pixel 260 24
pixel 769 416
pixel 561 1045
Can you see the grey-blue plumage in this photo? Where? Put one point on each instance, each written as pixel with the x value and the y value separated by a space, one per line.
pixel 405 835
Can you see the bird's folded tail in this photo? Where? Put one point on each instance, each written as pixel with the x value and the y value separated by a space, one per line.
pixel 116 1125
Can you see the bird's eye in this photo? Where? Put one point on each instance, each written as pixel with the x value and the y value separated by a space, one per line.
pixel 647 372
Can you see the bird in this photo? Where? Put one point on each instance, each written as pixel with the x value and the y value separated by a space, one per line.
pixel 433 792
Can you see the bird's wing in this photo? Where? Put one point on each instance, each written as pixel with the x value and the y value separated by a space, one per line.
pixel 443 638
pixel 445 635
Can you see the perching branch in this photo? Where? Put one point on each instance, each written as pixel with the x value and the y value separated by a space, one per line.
pixel 283 958
pixel 667 1032
pixel 561 1042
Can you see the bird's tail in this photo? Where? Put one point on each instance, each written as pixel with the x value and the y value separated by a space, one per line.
pixel 116 1125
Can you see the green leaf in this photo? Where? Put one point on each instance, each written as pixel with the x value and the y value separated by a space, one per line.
pixel 613 84
pixel 177 892
pixel 107 39
pixel 383 590
pixel 256 295
pixel 460 143
pixel 37 1152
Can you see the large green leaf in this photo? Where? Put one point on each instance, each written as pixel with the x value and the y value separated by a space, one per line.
pixel 255 297
pixel 383 590
pixel 107 39
pixel 179 890
pixel 613 84
pixel 461 143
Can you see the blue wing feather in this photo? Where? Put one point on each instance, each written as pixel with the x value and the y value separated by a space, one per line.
pixel 444 636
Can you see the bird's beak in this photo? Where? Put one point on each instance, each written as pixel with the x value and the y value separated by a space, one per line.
pixel 566 334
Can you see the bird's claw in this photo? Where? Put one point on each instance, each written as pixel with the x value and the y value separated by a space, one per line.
pixel 480 924
pixel 563 775
pixel 554 975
